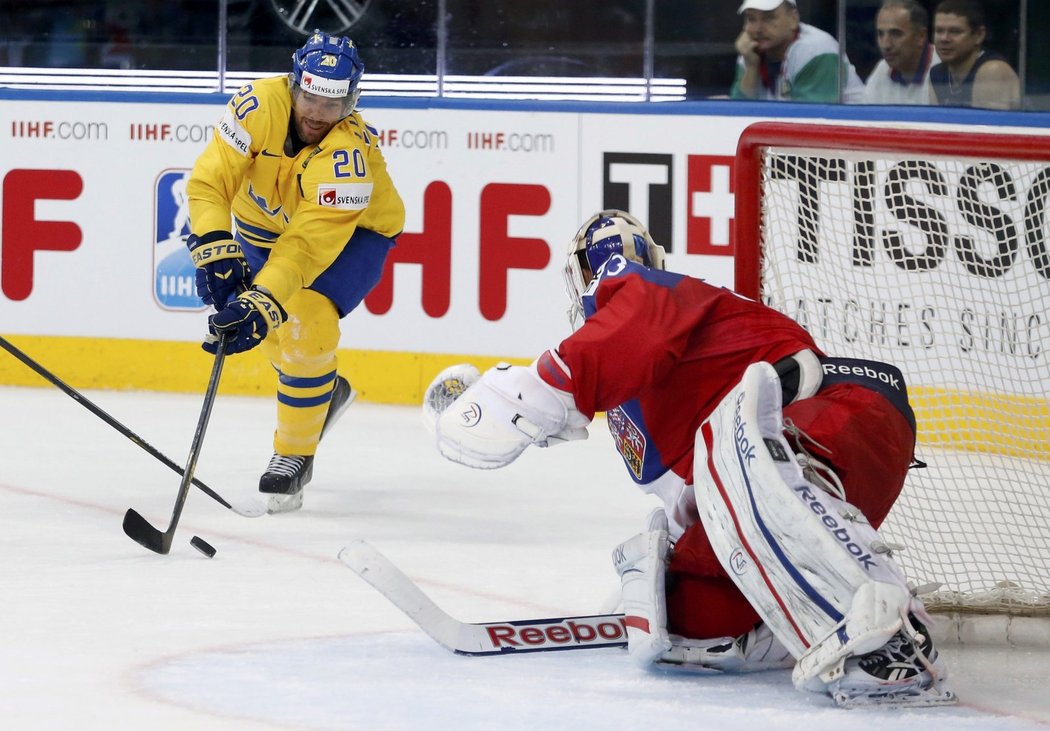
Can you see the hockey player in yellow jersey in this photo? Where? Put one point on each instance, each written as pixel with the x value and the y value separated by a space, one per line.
pixel 314 214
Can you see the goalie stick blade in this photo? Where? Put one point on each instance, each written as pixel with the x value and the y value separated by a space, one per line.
pixel 142 532
pixel 388 580
pixel 486 638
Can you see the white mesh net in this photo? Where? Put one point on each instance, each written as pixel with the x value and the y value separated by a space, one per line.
pixel 940 266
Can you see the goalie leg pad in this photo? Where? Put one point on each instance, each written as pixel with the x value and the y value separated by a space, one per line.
pixel 641 563
pixel 809 563
pixel 753 651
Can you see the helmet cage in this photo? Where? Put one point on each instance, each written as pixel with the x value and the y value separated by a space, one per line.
pixel 604 235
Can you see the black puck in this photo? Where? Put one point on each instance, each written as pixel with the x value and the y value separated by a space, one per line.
pixel 203 546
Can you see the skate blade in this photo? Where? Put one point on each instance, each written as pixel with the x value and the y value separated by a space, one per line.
pixel 912 698
pixel 285 503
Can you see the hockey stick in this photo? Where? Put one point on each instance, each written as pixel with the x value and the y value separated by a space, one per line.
pixel 249 508
pixel 485 638
pixel 138 528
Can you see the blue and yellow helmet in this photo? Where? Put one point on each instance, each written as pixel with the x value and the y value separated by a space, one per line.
pixel 328 66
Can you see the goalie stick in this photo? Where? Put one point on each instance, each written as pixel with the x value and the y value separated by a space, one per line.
pixel 483 638
pixel 248 507
pixel 138 528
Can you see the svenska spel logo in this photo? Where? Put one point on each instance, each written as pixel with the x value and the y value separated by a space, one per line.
pixel 174 276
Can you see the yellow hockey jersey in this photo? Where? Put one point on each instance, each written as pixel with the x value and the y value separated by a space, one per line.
pixel 303 207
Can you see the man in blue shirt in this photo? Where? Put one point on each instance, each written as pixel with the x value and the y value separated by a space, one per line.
pixel 969 76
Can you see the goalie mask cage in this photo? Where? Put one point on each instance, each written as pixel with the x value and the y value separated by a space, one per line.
pixel 927 249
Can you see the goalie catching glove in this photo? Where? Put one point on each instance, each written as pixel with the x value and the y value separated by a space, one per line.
pixel 506 410
pixel 246 321
pixel 446 387
pixel 222 271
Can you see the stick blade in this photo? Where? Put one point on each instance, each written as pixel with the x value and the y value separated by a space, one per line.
pixel 388 579
pixel 360 557
pixel 248 507
pixel 142 532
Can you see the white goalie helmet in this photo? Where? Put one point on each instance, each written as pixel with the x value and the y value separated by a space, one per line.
pixel 602 236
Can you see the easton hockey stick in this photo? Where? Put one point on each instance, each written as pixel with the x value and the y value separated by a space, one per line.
pixel 249 508
pixel 485 638
pixel 138 528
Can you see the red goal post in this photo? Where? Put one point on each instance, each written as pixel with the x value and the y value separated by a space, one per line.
pixel 928 249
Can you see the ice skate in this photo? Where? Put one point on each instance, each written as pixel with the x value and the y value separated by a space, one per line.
pixel 284 478
pixel 906 671
pixel 286 474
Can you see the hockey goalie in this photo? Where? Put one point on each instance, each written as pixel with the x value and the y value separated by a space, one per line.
pixel 774 462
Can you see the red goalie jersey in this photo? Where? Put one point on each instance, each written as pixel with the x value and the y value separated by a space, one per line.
pixel 657 352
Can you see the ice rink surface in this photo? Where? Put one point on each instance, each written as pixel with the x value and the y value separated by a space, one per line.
pixel 275 633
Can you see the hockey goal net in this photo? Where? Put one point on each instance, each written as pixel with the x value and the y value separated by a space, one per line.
pixel 929 250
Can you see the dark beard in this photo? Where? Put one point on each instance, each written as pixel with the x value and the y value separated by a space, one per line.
pixel 293 143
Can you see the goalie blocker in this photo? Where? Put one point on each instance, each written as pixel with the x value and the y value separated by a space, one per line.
pixel 814 569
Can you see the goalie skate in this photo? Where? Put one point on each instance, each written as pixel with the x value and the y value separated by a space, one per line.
pixel 906 671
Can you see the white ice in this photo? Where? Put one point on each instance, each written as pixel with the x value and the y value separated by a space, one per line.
pixel 275 633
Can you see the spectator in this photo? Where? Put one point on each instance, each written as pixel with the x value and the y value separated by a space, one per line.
pixel 903 74
pixel 785 59
pixel 969 76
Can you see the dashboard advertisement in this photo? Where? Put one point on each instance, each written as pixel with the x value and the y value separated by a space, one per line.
pixel 95 215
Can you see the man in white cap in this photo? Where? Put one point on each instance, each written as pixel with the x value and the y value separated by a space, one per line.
pixel 782 58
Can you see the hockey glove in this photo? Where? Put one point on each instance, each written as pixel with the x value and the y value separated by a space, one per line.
pixel 246 321
pixel 446 387
pixel 502 413
pixel 222 271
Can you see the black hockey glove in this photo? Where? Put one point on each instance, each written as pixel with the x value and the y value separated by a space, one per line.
pixel 222 271
pixel 246 321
